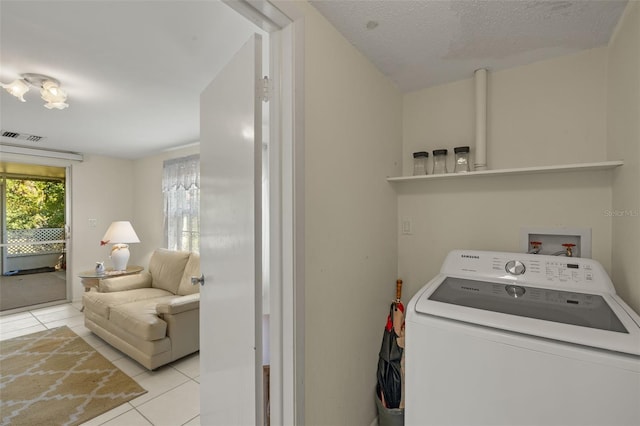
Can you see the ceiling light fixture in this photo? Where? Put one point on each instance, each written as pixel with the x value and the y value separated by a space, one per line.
pixel 54 95
pixel 50 90
pixel 17 88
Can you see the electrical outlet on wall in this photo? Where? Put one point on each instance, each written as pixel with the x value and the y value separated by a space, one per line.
pixel 93 223
pixel 551 240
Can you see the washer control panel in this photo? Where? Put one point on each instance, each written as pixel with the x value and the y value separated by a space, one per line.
pixel 547 268
pixel 551 271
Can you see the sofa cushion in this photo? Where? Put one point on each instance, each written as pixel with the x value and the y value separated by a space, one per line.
pixel 101 303
pixel 166 268
pixel 125 282
pixel 103 327
pixel 192 269
pixel 140 318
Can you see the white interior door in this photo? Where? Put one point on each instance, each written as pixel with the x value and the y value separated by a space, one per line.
pixel 230 244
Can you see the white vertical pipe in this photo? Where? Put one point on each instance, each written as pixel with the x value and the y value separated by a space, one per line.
pixel 481 119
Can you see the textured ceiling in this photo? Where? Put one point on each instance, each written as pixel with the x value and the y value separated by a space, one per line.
pixel 423 43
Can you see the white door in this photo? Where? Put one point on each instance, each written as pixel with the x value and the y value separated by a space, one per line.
pixel 230 244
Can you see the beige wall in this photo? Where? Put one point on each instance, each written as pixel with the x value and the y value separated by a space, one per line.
pixel 102 189
pixel 353 128
pixel 108 189
pixel 546 113
pixel 487 214
pixel 148 202
pixel 623 142
pixel 549 112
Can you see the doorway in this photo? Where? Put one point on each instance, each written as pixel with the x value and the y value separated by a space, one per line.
pixel 33 202
pixel 282 332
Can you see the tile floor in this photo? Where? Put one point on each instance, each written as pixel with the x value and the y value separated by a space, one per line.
pixel 173 397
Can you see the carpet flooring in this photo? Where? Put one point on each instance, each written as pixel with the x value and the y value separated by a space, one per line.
pixel 18 291
pixel 55 378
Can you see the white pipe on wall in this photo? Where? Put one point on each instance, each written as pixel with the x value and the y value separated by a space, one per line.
pixel 481 119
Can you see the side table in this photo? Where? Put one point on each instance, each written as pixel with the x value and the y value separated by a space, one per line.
pixel 91 278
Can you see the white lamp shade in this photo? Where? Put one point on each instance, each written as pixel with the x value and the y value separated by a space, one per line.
pixel 120 232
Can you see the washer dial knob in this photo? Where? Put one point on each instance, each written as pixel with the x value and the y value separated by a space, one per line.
pixel 515 267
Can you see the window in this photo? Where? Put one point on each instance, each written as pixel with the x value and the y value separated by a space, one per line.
pixel 181 188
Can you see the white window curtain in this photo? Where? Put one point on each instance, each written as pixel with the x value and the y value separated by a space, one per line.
pixel 181 188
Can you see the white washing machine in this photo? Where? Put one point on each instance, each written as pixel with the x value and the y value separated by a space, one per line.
pixel 519 339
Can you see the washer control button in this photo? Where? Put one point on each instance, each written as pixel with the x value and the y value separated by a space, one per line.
pixel 515 290
pixel 515 267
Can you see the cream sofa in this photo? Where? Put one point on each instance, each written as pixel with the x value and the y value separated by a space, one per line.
pixel 154 316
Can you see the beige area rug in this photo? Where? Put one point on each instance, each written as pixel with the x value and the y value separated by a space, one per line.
pixel 55 378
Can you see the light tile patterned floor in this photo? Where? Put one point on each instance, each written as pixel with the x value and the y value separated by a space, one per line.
pixel 173 397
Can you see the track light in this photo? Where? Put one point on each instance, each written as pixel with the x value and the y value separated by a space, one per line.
pixel 50 90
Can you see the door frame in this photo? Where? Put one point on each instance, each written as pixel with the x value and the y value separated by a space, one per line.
pixel 285 25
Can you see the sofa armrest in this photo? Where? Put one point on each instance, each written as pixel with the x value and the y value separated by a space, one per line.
pixel 179 305
pixel 182 316
pixel 125 282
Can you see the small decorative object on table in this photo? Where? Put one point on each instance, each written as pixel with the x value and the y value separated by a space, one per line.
pixel 99 267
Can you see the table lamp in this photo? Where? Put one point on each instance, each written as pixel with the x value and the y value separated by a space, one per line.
pixel 120 234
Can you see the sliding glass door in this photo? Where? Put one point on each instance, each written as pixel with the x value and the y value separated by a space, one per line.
pixel 33 244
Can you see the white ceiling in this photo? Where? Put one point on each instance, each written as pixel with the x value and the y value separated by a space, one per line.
pixel 134 70
pixel 423 43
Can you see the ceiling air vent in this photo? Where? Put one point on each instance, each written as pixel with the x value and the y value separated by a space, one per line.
pixel 21 136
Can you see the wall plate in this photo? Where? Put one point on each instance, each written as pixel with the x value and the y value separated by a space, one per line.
pixel 553 238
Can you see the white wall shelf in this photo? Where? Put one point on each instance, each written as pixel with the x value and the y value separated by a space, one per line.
pixel 604 165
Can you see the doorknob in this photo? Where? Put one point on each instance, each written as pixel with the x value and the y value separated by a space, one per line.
pixel 196 280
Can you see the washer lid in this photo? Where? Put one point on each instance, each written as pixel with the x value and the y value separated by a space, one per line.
pixel 598 320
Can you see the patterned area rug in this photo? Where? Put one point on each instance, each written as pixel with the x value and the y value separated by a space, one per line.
pixel 55 378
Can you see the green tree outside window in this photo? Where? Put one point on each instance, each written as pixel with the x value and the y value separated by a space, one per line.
pixel 34 204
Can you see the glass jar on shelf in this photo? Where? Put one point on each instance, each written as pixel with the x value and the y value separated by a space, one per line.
pixel 420 163
pixel 462 164
pixel 439 161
